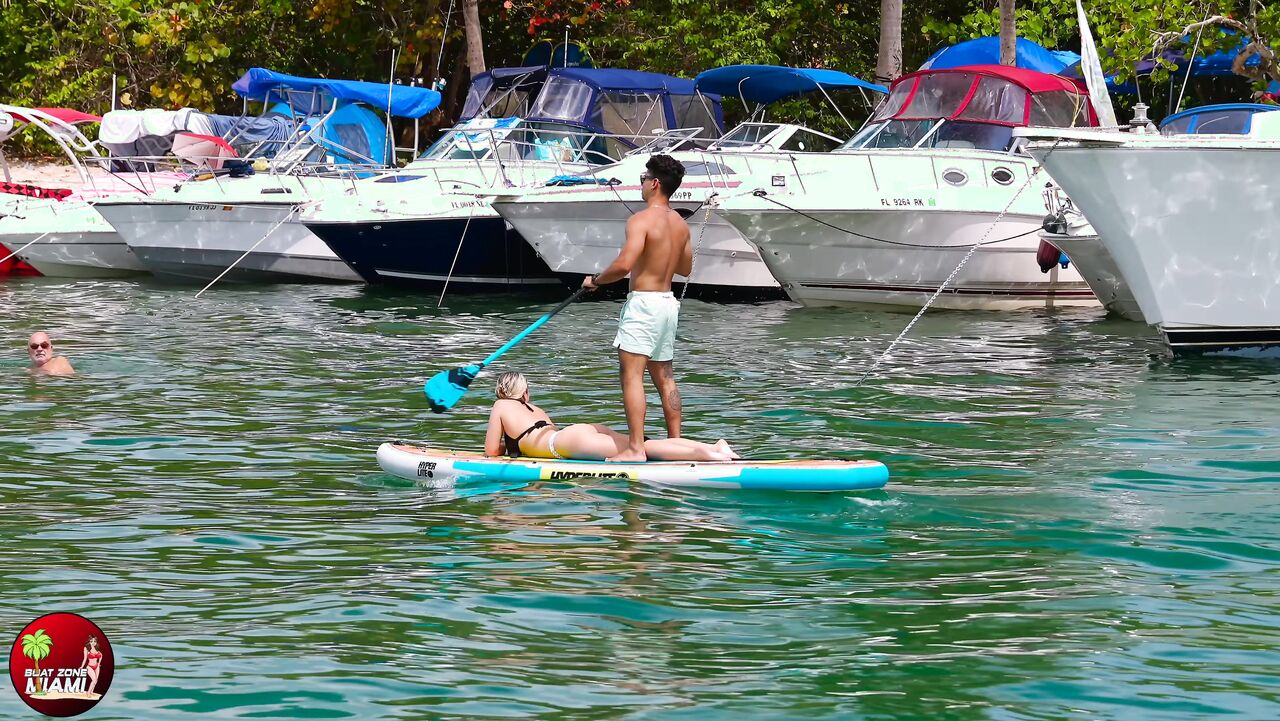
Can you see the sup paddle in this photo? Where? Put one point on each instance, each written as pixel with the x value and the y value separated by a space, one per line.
pixel 445 388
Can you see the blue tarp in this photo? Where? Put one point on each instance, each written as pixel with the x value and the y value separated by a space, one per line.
pixel 769 83
pixel 404 101
pixel 1216 64
pixel 557 55
pixel 986 51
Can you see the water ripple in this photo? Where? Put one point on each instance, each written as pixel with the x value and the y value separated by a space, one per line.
pixel 1076 526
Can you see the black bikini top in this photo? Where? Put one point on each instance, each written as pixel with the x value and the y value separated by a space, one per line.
pixel 513 444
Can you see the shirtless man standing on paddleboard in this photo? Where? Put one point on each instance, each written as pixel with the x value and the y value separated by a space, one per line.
pixel 656 249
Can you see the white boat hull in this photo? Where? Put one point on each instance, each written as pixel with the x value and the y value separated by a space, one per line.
pixel 68 239
pixel 1090 257
pixel 1189 222
pixel 198 241
pixel 79 255
pixel 889 227
pixel 581 238
pixel 822 265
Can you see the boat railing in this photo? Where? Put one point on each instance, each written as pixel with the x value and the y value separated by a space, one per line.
pixel 518 156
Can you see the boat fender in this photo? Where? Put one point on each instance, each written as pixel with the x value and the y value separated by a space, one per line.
pixel 1064 261
pixel 1047 256
pixel 1055 223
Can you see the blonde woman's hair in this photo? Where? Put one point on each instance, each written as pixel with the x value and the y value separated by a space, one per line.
pixel 511 385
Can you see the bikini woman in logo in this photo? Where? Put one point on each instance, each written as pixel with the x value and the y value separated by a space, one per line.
pixel 92 660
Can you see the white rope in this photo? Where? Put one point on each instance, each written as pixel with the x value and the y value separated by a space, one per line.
pixel 954 273
pixel 709 204
pixel 471 209
pixel 290 214
pixel 28 245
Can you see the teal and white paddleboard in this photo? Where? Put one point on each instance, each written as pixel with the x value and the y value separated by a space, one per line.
pixel 443 469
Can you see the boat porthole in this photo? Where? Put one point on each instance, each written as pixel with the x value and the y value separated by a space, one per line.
pixel 1003 176
pixel 955 176
pixel 734 254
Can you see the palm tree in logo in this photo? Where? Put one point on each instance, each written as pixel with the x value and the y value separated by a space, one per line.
pixel 35 646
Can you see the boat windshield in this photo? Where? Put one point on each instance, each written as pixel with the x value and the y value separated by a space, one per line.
pixel 932 133
pixel 1213 120
pixel 673 141
pixel 513 139
pixel 748 136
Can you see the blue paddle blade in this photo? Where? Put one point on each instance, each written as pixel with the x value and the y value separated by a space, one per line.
pixel 445 388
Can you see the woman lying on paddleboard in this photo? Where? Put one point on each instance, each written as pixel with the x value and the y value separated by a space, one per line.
pixel 519 428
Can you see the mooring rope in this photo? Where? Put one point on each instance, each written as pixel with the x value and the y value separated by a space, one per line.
pixel 954 273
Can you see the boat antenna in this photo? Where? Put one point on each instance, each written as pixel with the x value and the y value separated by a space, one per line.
pixel 1191 61
pixel 444 34
pixel 390 148
pixel 566 46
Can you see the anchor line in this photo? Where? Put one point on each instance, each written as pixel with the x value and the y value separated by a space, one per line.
pixel 707 204
pixel 954 273
pixel 471 210
pixel 292 211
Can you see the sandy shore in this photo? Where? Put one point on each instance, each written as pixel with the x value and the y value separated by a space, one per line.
pixel 46 174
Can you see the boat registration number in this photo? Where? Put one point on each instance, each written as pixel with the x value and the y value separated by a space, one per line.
pixel 907 202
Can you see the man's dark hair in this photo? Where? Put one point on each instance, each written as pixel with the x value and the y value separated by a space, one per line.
pixel 668 171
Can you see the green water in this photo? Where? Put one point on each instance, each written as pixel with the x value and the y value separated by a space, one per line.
pixel 1075 527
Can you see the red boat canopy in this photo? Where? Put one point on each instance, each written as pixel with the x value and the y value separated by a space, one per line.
pixel 995 94
pixel 66 115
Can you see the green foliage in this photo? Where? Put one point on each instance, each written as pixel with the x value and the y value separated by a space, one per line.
pixel 171 53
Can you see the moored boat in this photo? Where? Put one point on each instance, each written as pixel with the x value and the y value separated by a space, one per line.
pixel 431 225
pixel 239 220
pixel 887 218
pixel 1187 220
pixel 577 225
pixel 1067 229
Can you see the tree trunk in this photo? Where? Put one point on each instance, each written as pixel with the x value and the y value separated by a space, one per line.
pixel 1008 34
pixel 889 64
pixel 475 43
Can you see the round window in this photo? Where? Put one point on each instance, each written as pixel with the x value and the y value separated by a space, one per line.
pixel 955 176
pixel 1003 176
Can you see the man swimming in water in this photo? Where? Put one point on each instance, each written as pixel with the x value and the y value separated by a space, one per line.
pixel 43 361
pixel 656 249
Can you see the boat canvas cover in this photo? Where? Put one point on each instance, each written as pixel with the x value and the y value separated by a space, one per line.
pixel 503 92
pixel 624 102
pixel 401 100
pixel 767 84
pixel 274 128
pixel 134 133
pixel 994 94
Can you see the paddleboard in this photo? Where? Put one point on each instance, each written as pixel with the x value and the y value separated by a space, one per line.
pixel 443 469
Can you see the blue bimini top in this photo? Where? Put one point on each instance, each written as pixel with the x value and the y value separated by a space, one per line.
pixel 770 83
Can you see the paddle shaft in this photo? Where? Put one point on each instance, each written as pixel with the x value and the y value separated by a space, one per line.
pixel 536 325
